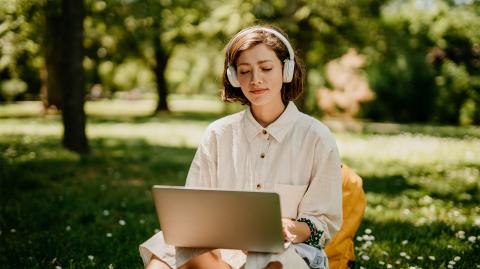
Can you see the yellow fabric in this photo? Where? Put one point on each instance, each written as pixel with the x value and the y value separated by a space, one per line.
pixel 340 250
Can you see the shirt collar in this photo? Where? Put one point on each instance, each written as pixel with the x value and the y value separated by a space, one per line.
pixel 278 129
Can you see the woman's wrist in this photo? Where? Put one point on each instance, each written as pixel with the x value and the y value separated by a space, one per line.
pixel 315 234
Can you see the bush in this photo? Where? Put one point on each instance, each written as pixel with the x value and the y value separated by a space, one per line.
pixel 13 87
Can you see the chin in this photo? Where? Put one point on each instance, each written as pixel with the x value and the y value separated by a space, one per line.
pixel 258 100
pixel 261 101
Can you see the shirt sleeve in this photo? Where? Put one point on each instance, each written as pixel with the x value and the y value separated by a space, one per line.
pixel 202 171
pixel 322 202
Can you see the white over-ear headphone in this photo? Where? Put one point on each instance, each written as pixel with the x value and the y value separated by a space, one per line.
pixel 288 64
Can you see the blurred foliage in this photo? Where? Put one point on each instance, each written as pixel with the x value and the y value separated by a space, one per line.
pixel 423 56
pixel 20 58
pixel 12 87
pixel 425 65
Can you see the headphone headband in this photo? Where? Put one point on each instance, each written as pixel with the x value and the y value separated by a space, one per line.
pixel 265 29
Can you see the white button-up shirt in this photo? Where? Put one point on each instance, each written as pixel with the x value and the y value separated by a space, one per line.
pixel 295 156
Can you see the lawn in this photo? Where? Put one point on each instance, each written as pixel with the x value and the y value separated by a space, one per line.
pixel 60 210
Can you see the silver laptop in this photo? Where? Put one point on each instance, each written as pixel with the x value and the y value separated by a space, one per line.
pixel 212 218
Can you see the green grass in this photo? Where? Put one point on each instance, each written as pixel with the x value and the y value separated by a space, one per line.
pixel 59 209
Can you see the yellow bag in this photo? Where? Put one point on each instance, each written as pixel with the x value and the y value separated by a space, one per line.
pixel 340 250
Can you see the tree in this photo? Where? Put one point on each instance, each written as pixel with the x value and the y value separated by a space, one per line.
pixel 55 29
pixel 153 30
pixel 64 61
pixel 52 49
pixel 425 63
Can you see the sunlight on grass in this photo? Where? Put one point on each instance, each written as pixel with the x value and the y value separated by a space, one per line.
pixel 21 109
pixel 415 150
pixel 119 108
pixel 185 134
pixel 177 103
pixel 165 129
pixel 173 133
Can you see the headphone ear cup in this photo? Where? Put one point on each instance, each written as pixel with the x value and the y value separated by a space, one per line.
pixel 288 68
pixel 232 77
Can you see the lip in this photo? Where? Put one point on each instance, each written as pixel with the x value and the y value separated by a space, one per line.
pixel 258 91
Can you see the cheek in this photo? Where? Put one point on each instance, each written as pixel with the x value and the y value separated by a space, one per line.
pixel 244 84
pixel 243 79
pixel 277 78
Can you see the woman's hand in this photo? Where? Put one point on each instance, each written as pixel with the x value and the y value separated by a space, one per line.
pixel 294 231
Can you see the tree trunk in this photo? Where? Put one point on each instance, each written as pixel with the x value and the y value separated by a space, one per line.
pixel 73 80
pixel 303 38
pixel 53 47
pixel 161 59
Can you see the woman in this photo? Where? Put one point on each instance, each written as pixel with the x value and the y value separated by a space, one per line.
pixel 269 146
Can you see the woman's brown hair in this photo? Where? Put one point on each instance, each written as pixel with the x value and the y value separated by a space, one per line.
pixel 249 38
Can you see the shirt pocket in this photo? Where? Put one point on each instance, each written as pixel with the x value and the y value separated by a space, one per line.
pixel 290 198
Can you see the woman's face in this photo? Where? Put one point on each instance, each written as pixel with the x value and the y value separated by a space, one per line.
pixel 260 74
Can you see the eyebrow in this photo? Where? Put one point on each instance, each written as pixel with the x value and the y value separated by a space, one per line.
pixel 259 62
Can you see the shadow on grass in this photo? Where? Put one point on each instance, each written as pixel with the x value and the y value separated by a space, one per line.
pixel 21 116
pixel 422 129
pixel 389 185
pixel 393 129
pixel 161 117
pixel 396 185
pixel 469 197
pixel 58 208
pixel 114 163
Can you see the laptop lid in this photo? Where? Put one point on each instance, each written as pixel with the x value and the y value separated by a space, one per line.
pixel 213 218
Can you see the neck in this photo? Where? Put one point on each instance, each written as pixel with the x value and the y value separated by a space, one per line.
pixel 266 114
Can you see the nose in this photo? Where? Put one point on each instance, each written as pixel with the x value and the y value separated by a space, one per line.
pixel 256 79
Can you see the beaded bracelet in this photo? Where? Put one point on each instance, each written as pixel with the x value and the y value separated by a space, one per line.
pixel 315 234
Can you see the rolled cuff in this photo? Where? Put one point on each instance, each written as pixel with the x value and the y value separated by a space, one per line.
pixel 177 256
pixel 156 245
pixel 327 232
pixel 315 234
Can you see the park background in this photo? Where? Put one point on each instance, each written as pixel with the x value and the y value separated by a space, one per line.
pixel 100 100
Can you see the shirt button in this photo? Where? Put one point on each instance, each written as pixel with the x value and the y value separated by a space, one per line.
pixel 259 186
pixel 262 155
pixel 264 131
